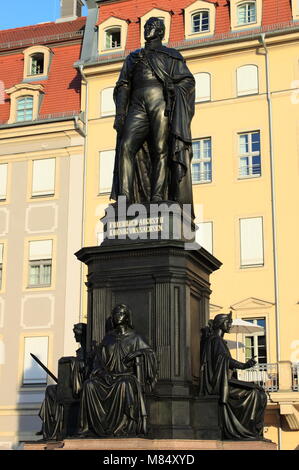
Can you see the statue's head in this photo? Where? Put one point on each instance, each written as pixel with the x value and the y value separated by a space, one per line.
pixel 223 321
pixel 121 315
pixel 154 28
pixel 80 331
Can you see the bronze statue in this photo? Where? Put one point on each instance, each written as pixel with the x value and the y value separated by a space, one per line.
pixel 112 400
pixel 72 371
pixel 242 404
pixel 154 98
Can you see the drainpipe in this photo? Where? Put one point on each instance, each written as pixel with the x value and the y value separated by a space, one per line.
pixel 273 208
pixel 84 180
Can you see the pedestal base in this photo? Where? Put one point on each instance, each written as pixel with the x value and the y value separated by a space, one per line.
pixel 149 444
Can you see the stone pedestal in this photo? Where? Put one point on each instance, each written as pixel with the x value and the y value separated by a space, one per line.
pixel 167 288
pixel 149 445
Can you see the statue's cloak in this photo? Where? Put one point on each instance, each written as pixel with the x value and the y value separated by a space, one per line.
pixel 169 67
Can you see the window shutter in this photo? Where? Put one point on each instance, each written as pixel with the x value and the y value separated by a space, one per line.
pixel 33 373
pixel 106 170
pixel 107 102
pixel 204 235
pixel 251 234
pixel 43 178
pixel 202 86
pixel 247 80
pixel 40 249
pixel 3 180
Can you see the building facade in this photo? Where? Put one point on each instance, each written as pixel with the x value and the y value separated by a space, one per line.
pixel 244 56
pixel 41 209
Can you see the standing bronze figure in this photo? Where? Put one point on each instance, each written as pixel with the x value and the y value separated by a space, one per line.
pixel 242 404
pixel 154 98
pixel 113 402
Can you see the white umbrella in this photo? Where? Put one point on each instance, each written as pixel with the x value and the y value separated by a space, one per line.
pixel 241 326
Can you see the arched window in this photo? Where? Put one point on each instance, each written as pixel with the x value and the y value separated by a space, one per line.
pixel 113 38
pixel 202 86
pixel 25 108
pixel 247 80
pixel 36 64
pixel 247 13
pixel 107 102
pixel 200 22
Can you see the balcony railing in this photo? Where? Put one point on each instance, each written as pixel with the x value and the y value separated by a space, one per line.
pixel 295 377
pixel 265 375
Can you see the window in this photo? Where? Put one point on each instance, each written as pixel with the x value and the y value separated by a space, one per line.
pixel 25 108
pixel 40 263
pixel 202 161
pixel 113 38
pixel 202 87
pixel 247 80
pixel 1 263
pixel 107 102
pixel 36 64
pixel 204 235
pixel 43 177
pixel 3 181
pixel 200 22
pixel 255 344
pixel 247 13
pixel 252 243
pixel 32 372
pixel 250 155
pixel 106 171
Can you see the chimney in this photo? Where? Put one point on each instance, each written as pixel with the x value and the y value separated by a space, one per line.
pixel 70 10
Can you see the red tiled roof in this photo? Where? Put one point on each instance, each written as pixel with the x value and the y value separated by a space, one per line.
pixel 62 86
pixel 274 12
pixel 41 33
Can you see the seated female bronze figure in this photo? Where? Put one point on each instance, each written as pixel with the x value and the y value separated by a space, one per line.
pixel 112 401
pixel 242 404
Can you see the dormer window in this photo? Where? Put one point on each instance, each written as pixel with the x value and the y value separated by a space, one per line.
pixel 113 38
pixel 37 61
pixel 200 22
pixel 24 109
pixel 36 64
pixel 247 13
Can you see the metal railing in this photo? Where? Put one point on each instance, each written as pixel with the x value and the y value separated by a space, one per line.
pixel 264 375
pixel 41 39
pixel 247 171
pixel 295 377
pixel 47 117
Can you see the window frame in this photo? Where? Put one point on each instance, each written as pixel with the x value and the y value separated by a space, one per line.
pixel 249 155
pixel 200 13
pixel 49 193
pixel 24 109
pixel 109 113
pixel 246 5
pixel 208 98
pixel 202 160
pixel 106 31
pixel 32 56
pixel 255 336
pixel 41 263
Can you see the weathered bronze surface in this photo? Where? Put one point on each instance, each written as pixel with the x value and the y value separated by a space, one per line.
pixel 242 404
pixel 154 97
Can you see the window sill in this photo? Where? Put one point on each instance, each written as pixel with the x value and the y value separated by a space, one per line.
pixel 41 196
pixel 102 116
pixel 250 177
pixel 201 182
pixel 252 266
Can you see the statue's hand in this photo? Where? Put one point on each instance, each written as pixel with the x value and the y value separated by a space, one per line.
pixel 119 122
pixel 250 363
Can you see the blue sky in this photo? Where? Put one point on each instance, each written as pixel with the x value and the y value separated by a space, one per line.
pixel 27 12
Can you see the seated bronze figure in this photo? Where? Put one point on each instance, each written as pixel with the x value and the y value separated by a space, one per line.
pixel 242 404
pixel 112 401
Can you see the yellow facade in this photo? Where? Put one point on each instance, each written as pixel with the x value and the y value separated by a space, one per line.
pixel 249 292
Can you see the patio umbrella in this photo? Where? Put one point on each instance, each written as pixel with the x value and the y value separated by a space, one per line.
pixel 242 326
